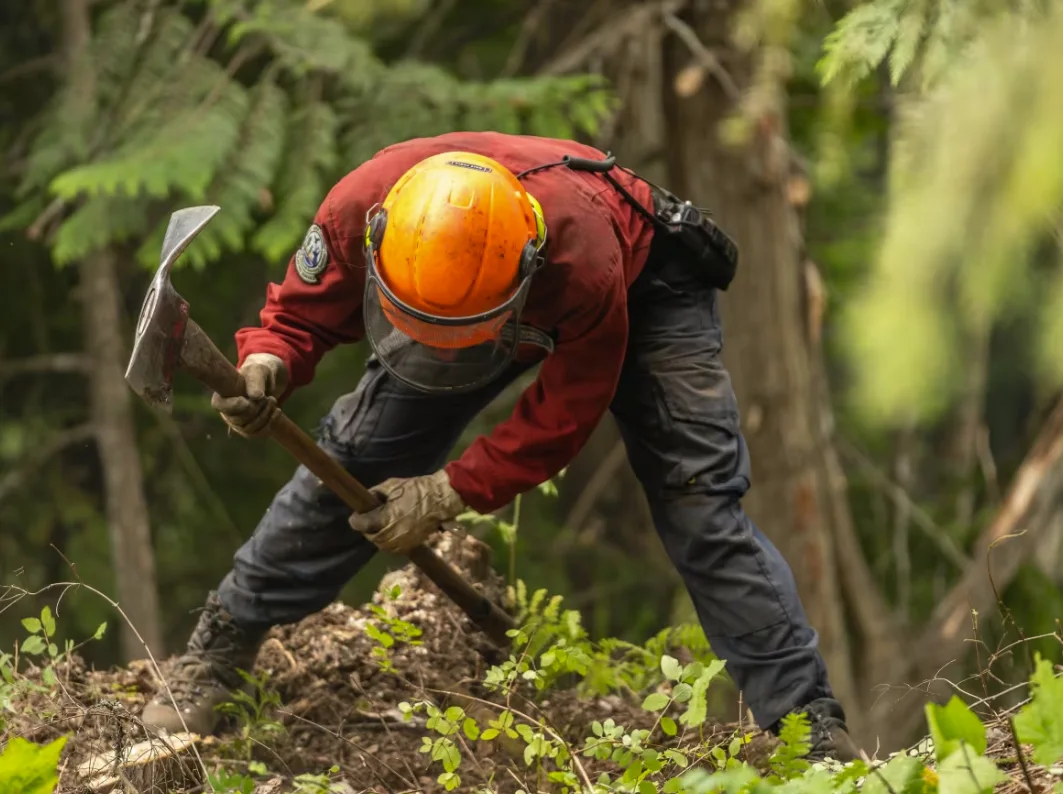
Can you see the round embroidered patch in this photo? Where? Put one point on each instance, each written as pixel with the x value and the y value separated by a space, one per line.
pixel 312 256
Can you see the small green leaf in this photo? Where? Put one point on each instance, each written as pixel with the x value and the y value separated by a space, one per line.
pixel 677 758
pixel 48 676
pixel 966 772
pixel 682 693
pixel 902 774
pixel 655 701
pixel 32 625
pixel 952 724
pixel 33 645
pixel 47 621
pixel 668 726
pixel 671 668
pixel 1040 722
pixel 470 728
pixel 100 631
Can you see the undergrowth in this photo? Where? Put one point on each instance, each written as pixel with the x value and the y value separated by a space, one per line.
pixel 674 755
pixel 668 746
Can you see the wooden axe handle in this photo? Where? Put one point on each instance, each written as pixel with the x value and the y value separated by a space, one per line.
pixel 202 359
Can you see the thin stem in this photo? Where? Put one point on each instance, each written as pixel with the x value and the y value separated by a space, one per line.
pixel 513 542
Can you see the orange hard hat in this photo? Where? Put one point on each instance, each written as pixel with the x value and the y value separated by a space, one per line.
pixel 460 232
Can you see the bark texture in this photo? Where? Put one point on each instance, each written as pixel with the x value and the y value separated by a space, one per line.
pixel 112 416
pixel 111 407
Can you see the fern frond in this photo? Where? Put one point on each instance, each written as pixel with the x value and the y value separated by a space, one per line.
pixel 239 184
pixel 416 100
pixel 303 40
pixel 910 31
pixel 860 41
pixel 99 222
pixel 182 154
pixel 73 127
pixel 124 41
pixel 63 140
pixel 159 74
pixel 309 164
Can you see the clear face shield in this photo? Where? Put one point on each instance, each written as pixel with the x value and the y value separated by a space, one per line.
pixel 443 354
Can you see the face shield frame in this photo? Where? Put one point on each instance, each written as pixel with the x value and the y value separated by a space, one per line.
pixel 460 364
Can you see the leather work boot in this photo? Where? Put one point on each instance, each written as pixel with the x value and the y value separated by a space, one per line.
pixel 205 675
pixel 829 735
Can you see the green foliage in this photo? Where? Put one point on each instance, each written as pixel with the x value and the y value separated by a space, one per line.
pixel 952 725
pixel 976 190
pixel 252 709
pixel 926 36
pixel 388 630
pixel 1040 722
pixel 788 759
pixel 28 768
pixel 162 119
pixel 40 646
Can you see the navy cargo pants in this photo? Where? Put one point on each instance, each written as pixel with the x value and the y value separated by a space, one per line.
pixel 679 419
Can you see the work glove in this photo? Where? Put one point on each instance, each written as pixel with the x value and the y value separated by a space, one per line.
pixel 265 376
pixel 413 509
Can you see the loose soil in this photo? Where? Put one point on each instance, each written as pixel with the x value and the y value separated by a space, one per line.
pixel 339 708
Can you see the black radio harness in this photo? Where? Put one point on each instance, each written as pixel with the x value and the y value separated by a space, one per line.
pixel 688 225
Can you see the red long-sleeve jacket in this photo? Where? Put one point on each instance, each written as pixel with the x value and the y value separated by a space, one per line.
pixel 597 245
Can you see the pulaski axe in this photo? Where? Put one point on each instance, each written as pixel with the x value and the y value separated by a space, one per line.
pixel 167 339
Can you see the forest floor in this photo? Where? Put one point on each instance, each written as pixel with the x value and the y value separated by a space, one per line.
pixel 330 704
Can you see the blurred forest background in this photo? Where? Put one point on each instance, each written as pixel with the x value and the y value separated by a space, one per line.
pixel 891 171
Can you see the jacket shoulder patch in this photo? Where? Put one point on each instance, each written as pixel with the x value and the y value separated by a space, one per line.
pixel 312 257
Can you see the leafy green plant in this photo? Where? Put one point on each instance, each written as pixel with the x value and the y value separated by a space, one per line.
pixel 251 708
pixel 308 783
pixel 39 645
pixel 1040 722
pixel 389 631
pixel 28 768
pixel 788 759
pixel 41 642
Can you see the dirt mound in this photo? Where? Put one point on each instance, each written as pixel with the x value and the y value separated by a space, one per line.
pixel 335 702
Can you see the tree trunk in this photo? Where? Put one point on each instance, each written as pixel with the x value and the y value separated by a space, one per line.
pixel 112 415
pixel 678 77
pixel 767 347
pixel 126 507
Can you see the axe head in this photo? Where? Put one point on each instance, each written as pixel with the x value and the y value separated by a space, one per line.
pixel 164 315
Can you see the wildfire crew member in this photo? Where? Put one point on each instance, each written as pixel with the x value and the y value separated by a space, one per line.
pixel 465 259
